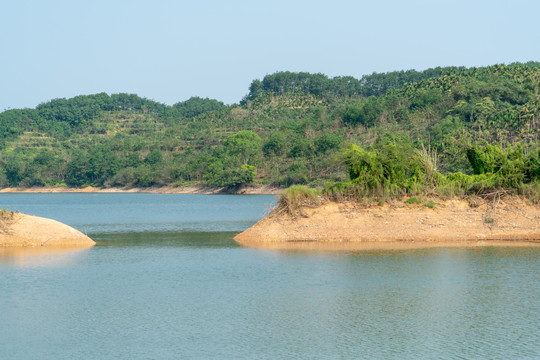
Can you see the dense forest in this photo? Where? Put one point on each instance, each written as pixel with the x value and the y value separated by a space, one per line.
pixel 291 128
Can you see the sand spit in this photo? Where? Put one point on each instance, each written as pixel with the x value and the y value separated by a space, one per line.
pixel 26 230
pixel 195 189
pixel 510 222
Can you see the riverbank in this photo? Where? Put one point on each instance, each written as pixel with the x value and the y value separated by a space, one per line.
pixel 18 229
pixel 195 189
pixel 397 224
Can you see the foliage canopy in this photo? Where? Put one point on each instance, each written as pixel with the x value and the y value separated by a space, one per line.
pixel 412 128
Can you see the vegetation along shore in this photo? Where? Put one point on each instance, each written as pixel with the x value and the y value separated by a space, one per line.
pixel 290 128
pixel 386 148
pixel 397 195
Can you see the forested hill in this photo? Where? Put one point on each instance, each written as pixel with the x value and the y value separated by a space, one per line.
pixel 321 85
pixel 291 128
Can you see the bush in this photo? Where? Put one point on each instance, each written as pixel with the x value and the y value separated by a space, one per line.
pixel 393 169
pixel 509 169
pixel 294 198
pixel 365 112
pixel 425 97
pixel 275 144
pixel 302 147
pixel 344 191
pixel 414 200
pixel 232 177
pixel 327 141
pixel 154 157
pixel 365 167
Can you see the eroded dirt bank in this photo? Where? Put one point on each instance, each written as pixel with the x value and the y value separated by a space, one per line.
pixel 398 225
pixel 27 230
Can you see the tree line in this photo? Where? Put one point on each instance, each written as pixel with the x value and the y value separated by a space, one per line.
pixel 292 128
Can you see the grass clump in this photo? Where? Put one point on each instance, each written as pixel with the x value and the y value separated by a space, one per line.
pixel 417 200
pixel 530 191
pixel 6 218
pixel 6 214
pixel 295 197
pixel 414 200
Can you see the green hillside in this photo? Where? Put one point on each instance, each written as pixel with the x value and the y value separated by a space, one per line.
pixel 291 128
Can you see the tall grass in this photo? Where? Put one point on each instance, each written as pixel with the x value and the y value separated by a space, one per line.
pixel 428 159
pixel 294 198
pixel 530 191
pixel 6 218
pixel 6 214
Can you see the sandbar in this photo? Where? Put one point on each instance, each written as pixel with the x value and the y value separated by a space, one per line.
pixel 18 229
pixel 396 225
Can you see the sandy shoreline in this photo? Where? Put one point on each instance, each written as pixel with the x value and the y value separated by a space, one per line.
pixel 18 229
pixel 452 223
pixel 246 190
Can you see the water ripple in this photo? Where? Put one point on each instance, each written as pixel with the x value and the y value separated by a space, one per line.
pixel 160 300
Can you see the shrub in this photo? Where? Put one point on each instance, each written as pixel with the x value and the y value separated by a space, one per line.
pixel 392 168
pixel 365 112
pixel 414 200
pixel 275 144
pixel 327 141
pixel 302 147
pixel 365 167
pixel 348 191
pixel 296 197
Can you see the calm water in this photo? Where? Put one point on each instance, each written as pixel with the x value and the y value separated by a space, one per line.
pixel 166 281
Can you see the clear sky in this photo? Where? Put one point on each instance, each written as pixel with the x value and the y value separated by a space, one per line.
pixel 169 51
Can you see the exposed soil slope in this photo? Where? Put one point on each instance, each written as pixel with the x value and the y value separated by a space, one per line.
pixel 27 230
pixel 345 225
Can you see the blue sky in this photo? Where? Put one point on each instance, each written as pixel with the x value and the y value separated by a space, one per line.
pixel 169 51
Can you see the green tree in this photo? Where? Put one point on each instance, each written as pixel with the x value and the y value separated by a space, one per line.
pixel 483 110
pixel 275 144
pixel 14 169
pixel 195 106
pixel 327 141
pixel 154 157
pixel 364 112
pixel 76 174
pixel 244 145
pixel 302 147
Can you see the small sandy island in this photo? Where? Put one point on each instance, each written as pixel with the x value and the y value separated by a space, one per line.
pixel 509 222
pixel 26 230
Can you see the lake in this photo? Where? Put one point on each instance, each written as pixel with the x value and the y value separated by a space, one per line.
pixel 167 281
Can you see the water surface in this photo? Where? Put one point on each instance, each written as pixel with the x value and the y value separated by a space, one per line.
pixel 158 286
pixel 126 212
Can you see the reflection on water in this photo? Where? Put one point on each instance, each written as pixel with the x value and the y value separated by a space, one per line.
pixel 385 245
pixel 199 295
pixel 41 255
pixel 221 239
